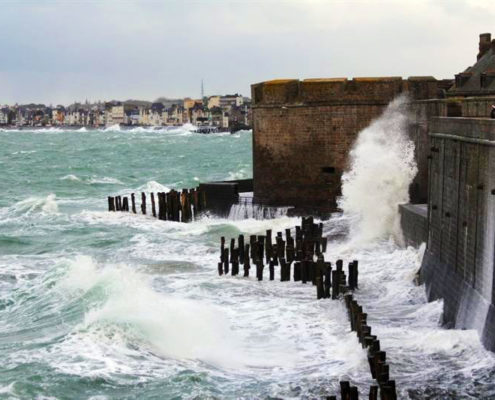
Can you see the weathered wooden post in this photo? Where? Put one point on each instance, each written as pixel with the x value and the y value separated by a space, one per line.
pixel 246 261
pixel 222 247
pixel 272 270
pixel 324 242
pixel 133 203
pixel 177 206
pixel 252 242
pixel 319 287
pixel 327 282
pixel 220 269
pixel 241 249
pixel 356 274
pixel 353 393
pixel 297 271
pixel 143 203
pixel 335 284
pixel 291 255
pixel 268 247
pixel 232 246
pixel 153 208
pixel 235 262
pixel 111 203
pixel 261 247
pixel 373 395
pixel 304 271
pixel 125 205
pixel 226 261
pixel 345 389
pixel 259 269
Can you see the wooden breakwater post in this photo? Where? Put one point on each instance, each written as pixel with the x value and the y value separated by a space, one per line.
pixel 143 203
pixel 133 203
pixel 111 203
pixel 176 206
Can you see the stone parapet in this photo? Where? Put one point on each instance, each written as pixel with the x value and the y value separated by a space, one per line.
pixel 293 92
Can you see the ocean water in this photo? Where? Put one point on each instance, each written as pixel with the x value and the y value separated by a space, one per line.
pixel 99 305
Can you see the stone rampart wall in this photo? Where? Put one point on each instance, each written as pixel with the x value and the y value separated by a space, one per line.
pixel 459 261
pixel 303 132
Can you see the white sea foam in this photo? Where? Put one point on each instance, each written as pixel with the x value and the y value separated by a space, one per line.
pixel 113 128
pixel 382 166
pixel 104 181
pixel 46 205
pixel 173 327
pixel 70 177
pixel 153 186
pixel 240 174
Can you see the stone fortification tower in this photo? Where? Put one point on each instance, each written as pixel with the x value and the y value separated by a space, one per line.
pixel 303 131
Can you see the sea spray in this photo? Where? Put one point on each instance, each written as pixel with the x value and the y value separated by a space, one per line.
pixel 123 301
pixel 382 167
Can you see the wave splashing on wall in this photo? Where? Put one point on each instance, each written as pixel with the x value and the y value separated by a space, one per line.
pixel 382 167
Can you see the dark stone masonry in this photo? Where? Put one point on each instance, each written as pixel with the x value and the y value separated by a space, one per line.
pixel 459 261
pixel 303 132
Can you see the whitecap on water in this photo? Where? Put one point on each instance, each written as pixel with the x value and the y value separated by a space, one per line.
pixel 104 181
pixel 70 177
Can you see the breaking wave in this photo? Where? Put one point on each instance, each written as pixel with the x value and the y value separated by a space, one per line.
pixel 382 167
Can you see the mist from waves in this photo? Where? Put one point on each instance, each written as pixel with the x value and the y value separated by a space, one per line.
pixel 381 169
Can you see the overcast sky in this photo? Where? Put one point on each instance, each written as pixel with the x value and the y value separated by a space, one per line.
pixel 58 51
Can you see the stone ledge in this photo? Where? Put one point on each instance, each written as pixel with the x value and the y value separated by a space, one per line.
pixel 330 90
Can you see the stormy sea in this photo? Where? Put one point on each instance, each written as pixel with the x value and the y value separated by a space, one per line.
pixel 106 305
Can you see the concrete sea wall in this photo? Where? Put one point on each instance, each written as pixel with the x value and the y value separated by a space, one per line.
pixel 459 261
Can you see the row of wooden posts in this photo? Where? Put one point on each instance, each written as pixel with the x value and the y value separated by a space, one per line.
pixel 172 206
pixel 305 250
pixel 377 358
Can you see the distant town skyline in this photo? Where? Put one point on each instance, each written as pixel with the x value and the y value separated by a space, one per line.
pixel 60 51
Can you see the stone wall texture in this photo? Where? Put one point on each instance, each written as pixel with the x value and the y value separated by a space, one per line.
pixel 459 261
pixel 421 113
pixel 303 132
pixel 414 223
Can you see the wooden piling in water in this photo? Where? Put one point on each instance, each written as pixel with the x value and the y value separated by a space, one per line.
pixel 226 261
pixel 271 268
pixel 268 247
pixel 133 203
pixel 247 265
pixel 345 389
pixel 373 395
pixel 143 203
pixel 111 203
pixel 235 261
pixel 125 204
pixel 259 269
pixel 241 249
pixel 153 207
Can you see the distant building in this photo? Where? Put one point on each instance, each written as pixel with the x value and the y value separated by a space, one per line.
pixel 231 100
pixel 189 103
pixel 58 115
pixel 213 101
pixel 4 116
pixel 175 115
pixel 156 114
